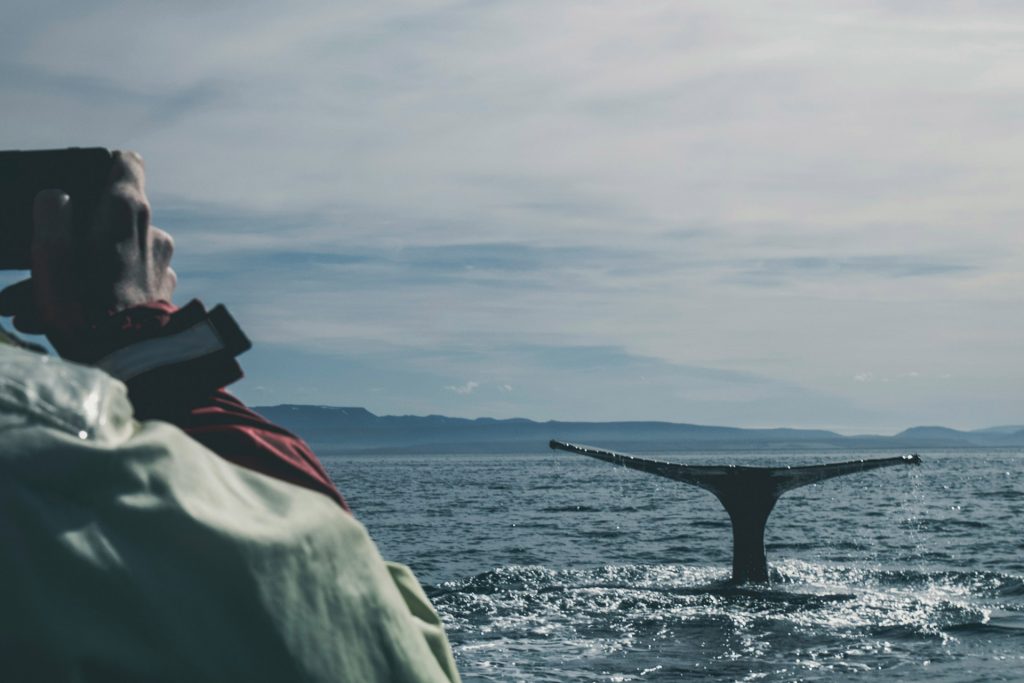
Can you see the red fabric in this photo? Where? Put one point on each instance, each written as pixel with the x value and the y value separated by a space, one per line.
pixel 221 422
pixel 130 326
pixel 228 428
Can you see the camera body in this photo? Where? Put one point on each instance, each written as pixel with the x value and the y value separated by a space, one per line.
pixel 82 172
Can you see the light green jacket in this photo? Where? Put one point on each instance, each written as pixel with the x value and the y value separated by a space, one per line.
pixel 130 552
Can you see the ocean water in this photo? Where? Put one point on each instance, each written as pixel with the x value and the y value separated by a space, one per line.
pixel 551 566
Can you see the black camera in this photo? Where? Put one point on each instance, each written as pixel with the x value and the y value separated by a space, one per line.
pixel 83 173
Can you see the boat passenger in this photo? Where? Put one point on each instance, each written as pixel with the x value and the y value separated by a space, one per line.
pixel 152 527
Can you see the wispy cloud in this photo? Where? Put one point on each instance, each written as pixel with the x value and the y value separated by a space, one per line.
pixel 780 271
pixel 464 389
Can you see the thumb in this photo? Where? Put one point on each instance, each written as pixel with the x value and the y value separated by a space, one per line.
pixel 51 216
pixel 53 266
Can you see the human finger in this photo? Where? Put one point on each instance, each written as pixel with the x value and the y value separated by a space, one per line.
pixel 128 167
pixel 54 270
pixel 169 285
pixel 51 219
pixel 123 211
pixel 161 275
pixel 121 215
pixel 162 246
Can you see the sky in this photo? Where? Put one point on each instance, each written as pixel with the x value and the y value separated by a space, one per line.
pixel 795 214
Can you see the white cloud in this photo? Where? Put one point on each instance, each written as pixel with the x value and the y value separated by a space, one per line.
pixel 464 389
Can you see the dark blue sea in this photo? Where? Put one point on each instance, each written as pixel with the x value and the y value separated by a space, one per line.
pixel 553 567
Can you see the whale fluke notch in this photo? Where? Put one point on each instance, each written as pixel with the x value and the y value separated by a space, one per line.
pixel 747 493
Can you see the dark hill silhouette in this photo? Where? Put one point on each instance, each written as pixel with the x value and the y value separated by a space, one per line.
pixel 1003 429
pixel 357 430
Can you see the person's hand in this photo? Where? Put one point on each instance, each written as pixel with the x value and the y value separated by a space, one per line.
pixel 80 280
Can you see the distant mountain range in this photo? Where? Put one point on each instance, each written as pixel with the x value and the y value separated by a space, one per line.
pixel 357 430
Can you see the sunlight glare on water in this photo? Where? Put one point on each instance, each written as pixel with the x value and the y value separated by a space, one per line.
pixel 553 567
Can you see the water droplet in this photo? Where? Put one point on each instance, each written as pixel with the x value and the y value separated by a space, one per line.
pixel 82 434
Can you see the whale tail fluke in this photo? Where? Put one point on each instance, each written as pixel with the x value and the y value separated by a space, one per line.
pixel 748 494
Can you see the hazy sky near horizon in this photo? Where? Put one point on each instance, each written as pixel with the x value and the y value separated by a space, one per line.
pixel 751 214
